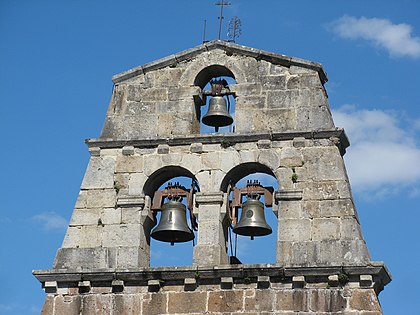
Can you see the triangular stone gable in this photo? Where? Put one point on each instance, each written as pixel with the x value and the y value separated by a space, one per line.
pixel 229 48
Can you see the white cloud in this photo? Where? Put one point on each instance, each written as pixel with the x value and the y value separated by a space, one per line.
pixel 51 221
pixel 383 158
pixel 396 38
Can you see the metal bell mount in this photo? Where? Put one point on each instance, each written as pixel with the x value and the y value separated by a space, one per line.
pixel 173 227
pixel 252 222
pixel 218 111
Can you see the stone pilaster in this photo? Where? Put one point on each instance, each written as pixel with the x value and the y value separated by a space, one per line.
pixel 211 248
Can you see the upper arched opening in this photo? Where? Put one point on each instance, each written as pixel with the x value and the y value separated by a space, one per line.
pixel 242 170
pixel 159 177
pixel 210 72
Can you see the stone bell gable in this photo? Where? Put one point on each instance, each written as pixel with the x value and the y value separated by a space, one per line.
pixel 282 127
pixel 273 93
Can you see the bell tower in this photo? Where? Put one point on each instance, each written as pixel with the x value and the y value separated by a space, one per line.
pixel 281 126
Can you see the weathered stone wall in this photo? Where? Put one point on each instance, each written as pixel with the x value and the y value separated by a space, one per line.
pixel 226 296
pixel 317 221
pixel 163 100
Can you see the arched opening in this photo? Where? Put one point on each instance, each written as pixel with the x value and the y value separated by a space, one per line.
pixel 166 253
pixel 252 250
pixel 216 112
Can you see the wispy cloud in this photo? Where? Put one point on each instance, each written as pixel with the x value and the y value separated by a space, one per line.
pixel 51 221
pixel 396 38
pixel 383 158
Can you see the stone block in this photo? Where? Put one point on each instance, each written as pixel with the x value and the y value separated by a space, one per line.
pixel 248 156
pixel 90 236
pixel 85 217
pixel 125 235
pixel 264 144
pixel 325 300
pixel 179 94
pixel 136 94
pixel 313 118
pixel 111 216
pixel 336 208
pixel 136 184
pixel 294 229
pixel 259 301
pixel 225 301
pixel 125 304
pixel 269 158
pixel 290 209
pixel 333 280
pixel 128 150
pixel 292 300
pixel 210 255
pixel 134 257
pixel 210 232
pixel 99 173
pixel 366 280
pixel 117 286
pixel 95 151
pixel 324 163
pixel 325 190
pixel 187 302
pixel 325 229
pixel 84 286
pixel 298 282
pixel 226 282
pixel 245 89
pixel 163 149
pixel 152 163
pixel 48 307
pixel 263 282
pixel 190 284
pixel 274 82
pixel 67 304
pixel 290 157
pixel 350 229
pixel 131 215
pixel 154 304
pixel 71 239
pixel 364 300
pixel 196 147
pixel 100 198
pixel 192 162
pixel 299 142
pixel 129 164
pixel 153 285
pixel 50 286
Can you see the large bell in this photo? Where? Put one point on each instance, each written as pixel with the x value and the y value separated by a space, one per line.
pixel 252 222
pixel 173 227
pixel 217 115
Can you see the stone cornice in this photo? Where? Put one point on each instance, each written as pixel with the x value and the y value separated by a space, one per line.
pixel 206 275
pixel 230 48
pixel 232 138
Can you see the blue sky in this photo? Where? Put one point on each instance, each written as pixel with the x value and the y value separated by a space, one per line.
pixel 56 63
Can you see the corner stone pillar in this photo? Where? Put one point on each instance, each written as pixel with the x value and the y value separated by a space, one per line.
pixel 211 248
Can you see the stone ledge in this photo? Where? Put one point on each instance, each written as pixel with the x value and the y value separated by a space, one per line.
pixel 233 138
pixel 262 275
pixel 130 201
pixel 288 194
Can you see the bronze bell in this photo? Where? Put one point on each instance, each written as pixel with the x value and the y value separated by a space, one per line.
pixel 173 227
pixel 217 115
pixel 252 222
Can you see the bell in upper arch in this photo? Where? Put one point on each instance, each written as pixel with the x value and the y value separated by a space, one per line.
pixel 173 227
pixel 218 114
pixel 252 222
